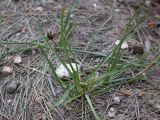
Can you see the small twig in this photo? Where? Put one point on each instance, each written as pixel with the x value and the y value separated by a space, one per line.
pixel 52 88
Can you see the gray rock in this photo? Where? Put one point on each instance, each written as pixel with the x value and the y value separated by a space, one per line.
pixel 12 86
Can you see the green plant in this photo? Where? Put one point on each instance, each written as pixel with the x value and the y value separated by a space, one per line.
pixel 91 85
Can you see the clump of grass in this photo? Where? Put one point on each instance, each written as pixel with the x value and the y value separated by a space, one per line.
pixel 91 85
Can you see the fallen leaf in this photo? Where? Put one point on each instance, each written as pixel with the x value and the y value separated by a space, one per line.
pixel 152 24
pixel 126 92
pixel 141 94
pixel 136 48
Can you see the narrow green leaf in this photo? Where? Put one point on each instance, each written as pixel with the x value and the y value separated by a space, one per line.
pixel 62 99
pixel 92 108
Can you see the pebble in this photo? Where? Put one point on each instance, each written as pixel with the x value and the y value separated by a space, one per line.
pixel 147 2
pixel 124 44
pixel 112 113
pixel 39 9
pixel 117 10
pixel 94 5
pixel 9 100
pixel 151 102
pixel 116 99
pixel 157 106
pixel 12 86
pixel 17 59
pixel 62 72
pixel 7 70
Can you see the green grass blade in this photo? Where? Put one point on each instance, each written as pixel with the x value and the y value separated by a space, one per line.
pixel 92 108
pixel 69 12
pixel 62 99
pixel 61 83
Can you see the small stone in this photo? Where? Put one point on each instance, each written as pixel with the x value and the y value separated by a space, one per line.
pixel 18 34
pixel 72 15
pixel 97 60
pixel 157 106
pixel 17 59
pixel 111 109
pixel 117 10
pixel 7 70
pixel 9 100
pixel 39 9
pixel 144 74
pixel 124 44
pixel 104 51
pixel 151 102
pixel 112 113
pixel 147 2
pixel 116 99
pixel 94 5
pixel 12 86
pixel 62 72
